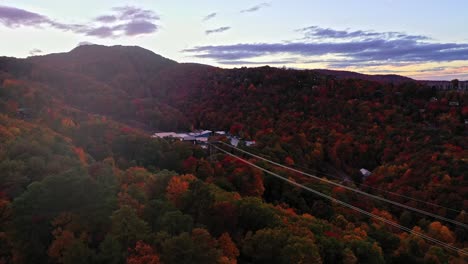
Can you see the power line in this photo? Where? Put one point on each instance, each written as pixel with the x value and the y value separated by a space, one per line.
pixel 436 241
pixel 353 189
pixel 389 192
pixel 374 188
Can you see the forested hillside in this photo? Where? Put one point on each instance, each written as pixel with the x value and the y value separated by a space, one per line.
pixel 82 181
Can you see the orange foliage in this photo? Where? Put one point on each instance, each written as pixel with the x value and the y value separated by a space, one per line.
pixel 68 122
pixel 143 254
pixel 63 239
pixel 177 186
pixel 384 214
pixel 441 232
pixel 357 234
pixel 11 82
pixel 230 251
pixel 5 133
pixel 81 156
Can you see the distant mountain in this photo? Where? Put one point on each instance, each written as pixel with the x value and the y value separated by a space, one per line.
pixel 388 78
pixel 131 69
pixel 131 83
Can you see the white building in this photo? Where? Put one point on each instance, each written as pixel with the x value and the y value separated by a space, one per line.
pixel 164 135
pixel 250 143
pixel 234 141
pixel 365 173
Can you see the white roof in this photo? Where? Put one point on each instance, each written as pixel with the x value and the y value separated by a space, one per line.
pixel 202 139
pixel 365 172
pixel 249 143
pixel 201 133
pixel 180 135
pixel 234 142
pixel 220 132
pixel 164 134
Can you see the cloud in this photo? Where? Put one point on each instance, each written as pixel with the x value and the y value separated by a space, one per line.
pixel 343 49
pixel 210 16
pixel 106 18
pixel 14 17
pixel 443 72
pixel 319 33
pixel 135 13
pixel 124 21
pixel 217 30
pixel 256 8
pixel 102 32
pixel 137 27
pixel 245 62
pixel 35 52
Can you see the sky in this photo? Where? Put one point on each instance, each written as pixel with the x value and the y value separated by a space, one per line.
pixel 423 39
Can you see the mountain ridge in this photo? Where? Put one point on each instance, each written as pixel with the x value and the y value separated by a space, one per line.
pixel 86 50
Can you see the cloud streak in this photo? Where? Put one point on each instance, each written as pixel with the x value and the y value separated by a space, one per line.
pixel 319 33
pixel 124 21
pixel 209 16
pixel 255 8
pixel 347 48
pixel 217 30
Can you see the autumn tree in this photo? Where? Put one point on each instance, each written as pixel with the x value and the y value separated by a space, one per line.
pixel 177 186
pixel 229 249
pixel 142 254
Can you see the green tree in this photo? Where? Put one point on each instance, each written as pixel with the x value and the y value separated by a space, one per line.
pixel 127 228
pixel 280 246
pixel 110 252
pixel 254 215
pixel 175 222
pixel 72 192
pixel 199 247
pixel 78 253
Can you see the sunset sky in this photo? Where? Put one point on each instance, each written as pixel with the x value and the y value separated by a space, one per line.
pixel 423 39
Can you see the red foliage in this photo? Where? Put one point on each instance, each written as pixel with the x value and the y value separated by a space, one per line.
pixel 190 165
pixel 289 161
pixel 142 254
pixel 331 234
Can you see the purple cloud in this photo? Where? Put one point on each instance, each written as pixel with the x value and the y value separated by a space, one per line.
pixel 255 8
pixel 217 30
pixel 318 33
pixel 106 19
pixel 135 13
pixel 353 48
pixel 210 16
pixel 102 32
pixel 126 21
pixel 137 27
pixel 245 62
pixel 14 17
